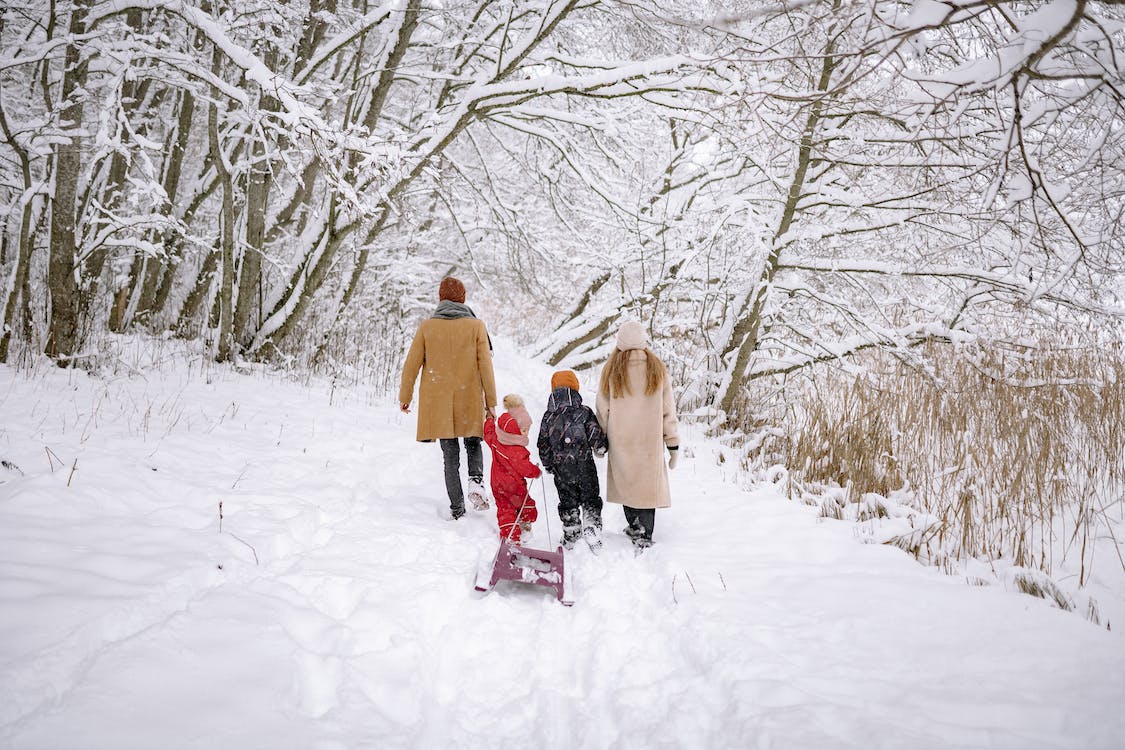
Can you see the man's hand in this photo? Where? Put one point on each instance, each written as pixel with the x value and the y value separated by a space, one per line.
pixel 404 408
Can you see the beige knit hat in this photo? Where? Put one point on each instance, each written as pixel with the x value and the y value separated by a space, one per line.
pixel 631 336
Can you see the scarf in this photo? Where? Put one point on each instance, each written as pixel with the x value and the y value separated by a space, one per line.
pixel 447 309
pixel 523 422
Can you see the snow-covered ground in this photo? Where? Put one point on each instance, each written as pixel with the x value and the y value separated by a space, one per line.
pixel 335 609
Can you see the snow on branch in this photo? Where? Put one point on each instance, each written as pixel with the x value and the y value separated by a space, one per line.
pixel 1004 281
pixel 298 115
pixel 630 79
pixel 333 46
pixel 42 52
pixel 278 317
pixel 911 335
pixel 1026 47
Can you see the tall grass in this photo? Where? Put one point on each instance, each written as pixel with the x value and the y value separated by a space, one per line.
pixel 1006 453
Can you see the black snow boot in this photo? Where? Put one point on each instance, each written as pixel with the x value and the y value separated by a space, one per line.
pixel 571 535
pixel 639 530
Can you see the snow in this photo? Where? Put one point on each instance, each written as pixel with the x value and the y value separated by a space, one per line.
pixel 928 13
pixel 128 620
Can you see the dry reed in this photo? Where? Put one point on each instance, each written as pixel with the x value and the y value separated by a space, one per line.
pixel 1013 453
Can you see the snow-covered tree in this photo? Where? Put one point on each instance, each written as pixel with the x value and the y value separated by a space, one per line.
pixel 768 185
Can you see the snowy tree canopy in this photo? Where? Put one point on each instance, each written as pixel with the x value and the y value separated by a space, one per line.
pixel 767 185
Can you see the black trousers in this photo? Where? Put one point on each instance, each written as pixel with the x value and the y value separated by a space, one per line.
pixel 451 456
pixel 642 520
pixel 579 495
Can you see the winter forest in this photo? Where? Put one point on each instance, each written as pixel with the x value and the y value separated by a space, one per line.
pixel 879 243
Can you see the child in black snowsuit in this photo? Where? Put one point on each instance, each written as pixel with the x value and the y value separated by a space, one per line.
pixel 569 438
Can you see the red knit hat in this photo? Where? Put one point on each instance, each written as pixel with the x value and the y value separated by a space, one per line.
pixel 508 423
pixel 564 377
pixel 451 289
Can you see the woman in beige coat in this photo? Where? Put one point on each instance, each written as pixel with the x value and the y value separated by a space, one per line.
pixel 636 409
pixel 458 387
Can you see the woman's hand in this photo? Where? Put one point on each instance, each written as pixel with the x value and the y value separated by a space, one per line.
pixel 673 456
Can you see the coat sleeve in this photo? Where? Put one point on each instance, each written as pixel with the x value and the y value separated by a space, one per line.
pixel 595 435
pixel 546 455
pixel 490 433
pixel 415 358
pixel 484 366
pixel 601 403
pixel 524 467
pixel 671 423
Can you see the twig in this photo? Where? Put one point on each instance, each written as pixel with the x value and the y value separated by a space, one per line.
pixel 73 469
pixel 1108 527
pixel 688 577
pixel 220 516
pixel 240 476
pixel 722 581
pixel 251 546
pixel 674 599
pixel 51 458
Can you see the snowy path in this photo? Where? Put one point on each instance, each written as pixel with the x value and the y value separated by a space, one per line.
pixel 749 625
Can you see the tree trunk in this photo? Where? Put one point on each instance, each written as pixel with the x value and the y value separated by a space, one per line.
pixel 257 197
pixel 311 282
pixel 349 291
pixel 558 353
pixel 745 333
pixel 198 294
pixel 375 106
pixel 18 291
pixel 153 301
pixel 225 341
pixel 63 334
pixel 312 31
pixel 115 182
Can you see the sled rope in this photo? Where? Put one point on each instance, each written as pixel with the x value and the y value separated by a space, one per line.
pixel 526 497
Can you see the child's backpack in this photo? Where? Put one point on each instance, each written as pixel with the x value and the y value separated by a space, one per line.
pixel 575 435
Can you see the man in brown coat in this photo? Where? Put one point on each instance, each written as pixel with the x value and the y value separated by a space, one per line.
pixel 458 387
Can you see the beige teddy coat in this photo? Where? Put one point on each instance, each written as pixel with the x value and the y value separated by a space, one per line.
pixel 639 427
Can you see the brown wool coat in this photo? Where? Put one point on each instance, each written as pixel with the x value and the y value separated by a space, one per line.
pixel 457 380
pixel 638 427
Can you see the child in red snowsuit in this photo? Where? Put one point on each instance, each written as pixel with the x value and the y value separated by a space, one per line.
pixel 511 467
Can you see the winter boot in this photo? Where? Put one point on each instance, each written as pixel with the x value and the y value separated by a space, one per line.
pixel 639 536
pixel 477 496
pixel 570 536
pixel 592 532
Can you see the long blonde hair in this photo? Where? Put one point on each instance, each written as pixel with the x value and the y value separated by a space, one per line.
pixel 615 380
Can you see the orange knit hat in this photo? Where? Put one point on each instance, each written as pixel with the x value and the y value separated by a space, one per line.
pixel 564 377
pixel 451 289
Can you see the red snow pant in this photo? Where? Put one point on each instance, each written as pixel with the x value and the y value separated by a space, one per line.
pixel 508 512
